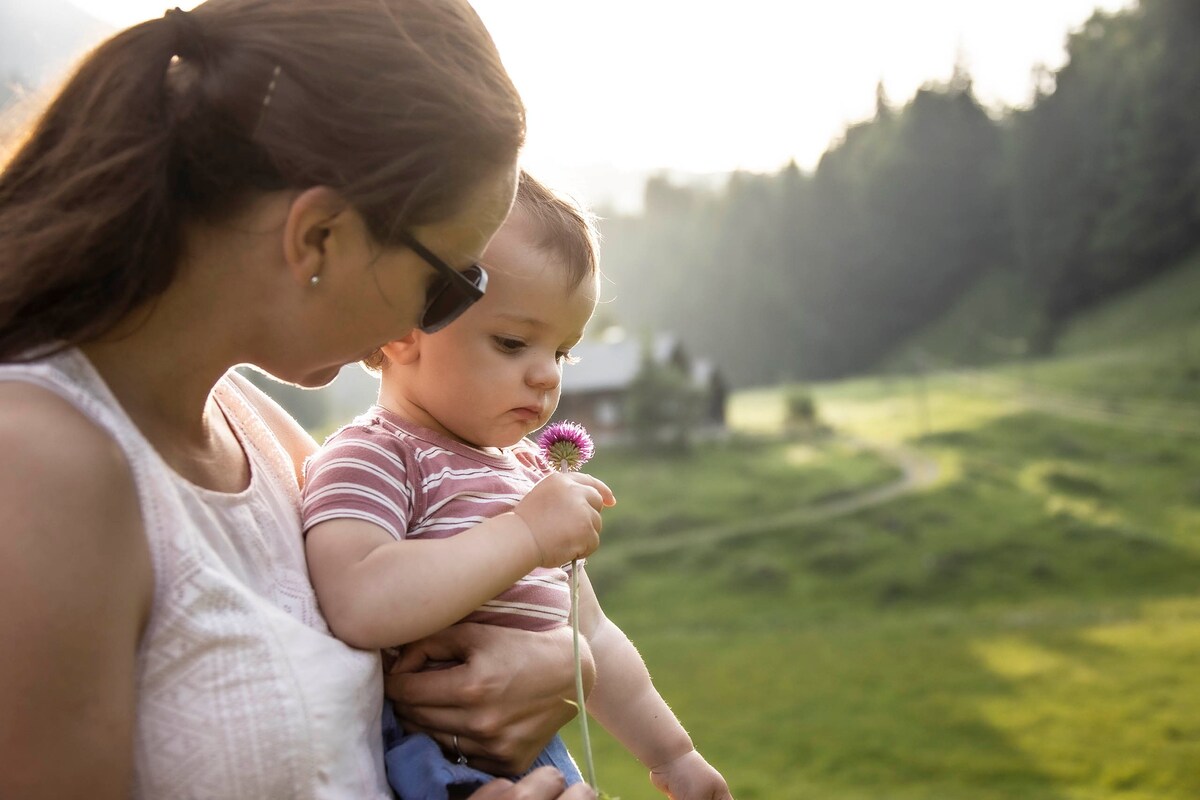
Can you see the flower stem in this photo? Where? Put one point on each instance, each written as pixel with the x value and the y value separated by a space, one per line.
pixel 588 763
pixel 583 717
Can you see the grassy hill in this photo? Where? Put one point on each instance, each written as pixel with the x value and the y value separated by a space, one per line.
pixel 1025 627
pixel 1159 315
pixel 990 323
pixel 995 319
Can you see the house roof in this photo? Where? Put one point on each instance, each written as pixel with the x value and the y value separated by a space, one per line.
pixel 609 365
pixel 602 365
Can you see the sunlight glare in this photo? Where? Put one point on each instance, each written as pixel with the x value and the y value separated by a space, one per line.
pixel 631 86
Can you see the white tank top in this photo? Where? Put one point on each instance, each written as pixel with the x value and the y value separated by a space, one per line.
pixel 242 690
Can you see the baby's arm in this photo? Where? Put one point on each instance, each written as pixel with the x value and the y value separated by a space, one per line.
pixel 377 592
pixel 626 703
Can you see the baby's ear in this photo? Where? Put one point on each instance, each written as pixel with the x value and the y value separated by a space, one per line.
pixel 404 351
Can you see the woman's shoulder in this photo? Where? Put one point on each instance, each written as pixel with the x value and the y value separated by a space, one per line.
pixel 68 490
pixel 66 478
pixel 55 440
pixel 55 461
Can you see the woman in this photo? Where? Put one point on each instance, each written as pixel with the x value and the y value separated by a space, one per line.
pixel 278 184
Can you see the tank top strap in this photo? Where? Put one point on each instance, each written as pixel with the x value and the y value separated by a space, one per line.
pixel 262 446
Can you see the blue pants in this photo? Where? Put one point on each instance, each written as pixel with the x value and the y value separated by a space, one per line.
pixel 417 769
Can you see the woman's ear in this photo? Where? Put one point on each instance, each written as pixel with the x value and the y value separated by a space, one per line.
pixel 312 219
pixel 404 351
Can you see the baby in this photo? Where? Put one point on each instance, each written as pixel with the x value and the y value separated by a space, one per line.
pixel 433 508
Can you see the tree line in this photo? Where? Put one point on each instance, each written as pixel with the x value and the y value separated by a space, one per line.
pixel 1090 190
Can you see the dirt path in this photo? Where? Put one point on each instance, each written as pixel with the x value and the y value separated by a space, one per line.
pixel 1151 416
pixel 918 471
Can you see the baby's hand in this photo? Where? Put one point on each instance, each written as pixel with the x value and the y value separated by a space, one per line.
pixel 690 777
pixel 563 514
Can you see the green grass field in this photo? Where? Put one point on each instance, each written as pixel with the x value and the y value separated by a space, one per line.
pixel 1026 627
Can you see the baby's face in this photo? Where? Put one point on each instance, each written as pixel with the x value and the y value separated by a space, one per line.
pixel 494 375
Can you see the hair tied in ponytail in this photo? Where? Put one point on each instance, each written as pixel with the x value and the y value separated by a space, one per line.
pixel 189 38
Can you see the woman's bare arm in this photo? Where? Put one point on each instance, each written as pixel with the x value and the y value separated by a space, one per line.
pixel 76 586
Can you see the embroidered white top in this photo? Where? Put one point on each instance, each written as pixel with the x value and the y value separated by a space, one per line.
pixel 242 690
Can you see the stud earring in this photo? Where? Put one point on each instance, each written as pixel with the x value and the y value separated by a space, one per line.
pixel 314 280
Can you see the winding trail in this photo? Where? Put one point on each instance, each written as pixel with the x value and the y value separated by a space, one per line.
pixel 1140 414
pixel 918 471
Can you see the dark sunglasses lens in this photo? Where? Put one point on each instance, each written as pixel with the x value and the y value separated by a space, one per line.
pixel 448 299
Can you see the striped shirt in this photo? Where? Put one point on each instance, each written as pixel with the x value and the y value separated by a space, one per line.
pixel 418 484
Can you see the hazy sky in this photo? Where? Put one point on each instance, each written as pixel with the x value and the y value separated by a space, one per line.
pixel 698 87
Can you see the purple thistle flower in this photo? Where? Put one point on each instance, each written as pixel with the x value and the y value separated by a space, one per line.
pixel 566 443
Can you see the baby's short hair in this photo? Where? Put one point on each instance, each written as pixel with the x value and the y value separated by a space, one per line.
pixel 561 226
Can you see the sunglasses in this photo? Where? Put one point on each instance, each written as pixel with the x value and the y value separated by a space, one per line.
pixel 452 293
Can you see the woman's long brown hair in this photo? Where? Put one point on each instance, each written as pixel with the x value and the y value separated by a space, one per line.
pixel 402 106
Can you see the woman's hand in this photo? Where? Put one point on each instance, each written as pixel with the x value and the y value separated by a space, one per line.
pixel 544 783
pixel 509 693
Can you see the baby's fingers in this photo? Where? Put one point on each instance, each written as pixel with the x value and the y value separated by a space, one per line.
pixel 607 498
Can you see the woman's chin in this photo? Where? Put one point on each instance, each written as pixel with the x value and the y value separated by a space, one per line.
pixel 315 380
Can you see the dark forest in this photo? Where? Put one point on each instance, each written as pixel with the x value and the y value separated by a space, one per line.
pixel 1091 190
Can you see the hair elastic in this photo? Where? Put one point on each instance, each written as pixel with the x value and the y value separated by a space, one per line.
pixel 189 38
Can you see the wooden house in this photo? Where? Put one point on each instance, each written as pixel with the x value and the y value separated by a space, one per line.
pixel 595 390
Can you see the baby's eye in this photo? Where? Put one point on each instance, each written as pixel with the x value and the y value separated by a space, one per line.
pixel 565 357
pixel 508 344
